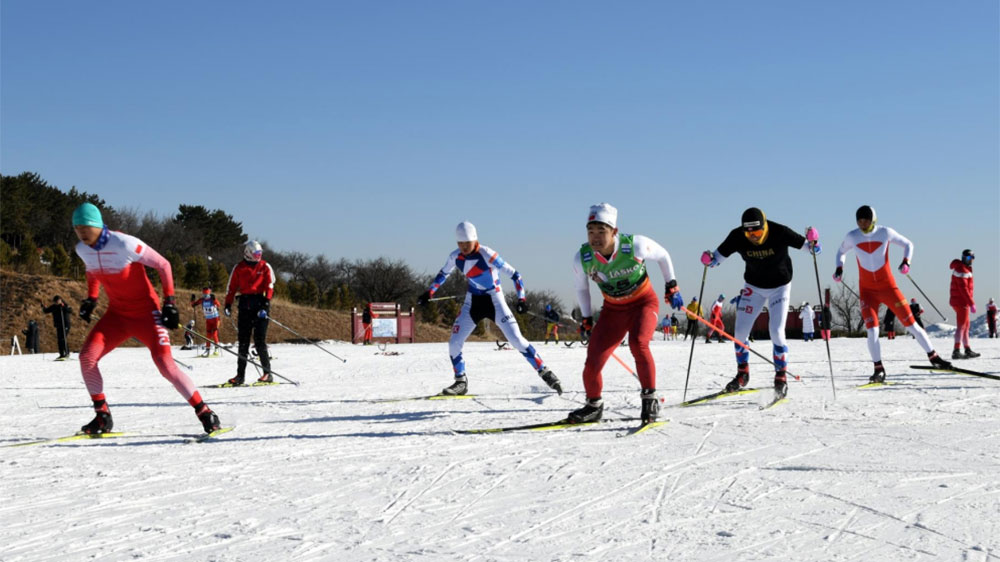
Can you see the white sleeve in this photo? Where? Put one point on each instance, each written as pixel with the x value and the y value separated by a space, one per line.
pixel 582 284
pixel 900 240
pixel 647 249
pixel 846 246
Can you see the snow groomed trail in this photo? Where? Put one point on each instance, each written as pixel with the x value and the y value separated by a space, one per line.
pixel 330 471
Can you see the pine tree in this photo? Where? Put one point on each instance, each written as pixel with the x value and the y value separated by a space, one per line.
pixel 346 297
pixel 28 257
pixel 196 274
pixel 219 278
pixel 281 288
pixel 61 264
pixel 330 300
pixel 6 253
pixel 177 267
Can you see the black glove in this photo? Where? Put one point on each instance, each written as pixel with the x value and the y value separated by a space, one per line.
pixel 586 325
pixel 264 310
pixel 169 314
pixel 86 307
pixel 193 297
pixel 838 274
pixel 424 298
pixel 228 310
pixel 521 306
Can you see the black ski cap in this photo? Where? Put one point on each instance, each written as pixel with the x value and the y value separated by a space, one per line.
pixel 753 219
pixel 967 253
pixel 864 212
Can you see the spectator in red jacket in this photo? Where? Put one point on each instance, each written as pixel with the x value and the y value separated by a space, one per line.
pixel 253 279
pixel 961 300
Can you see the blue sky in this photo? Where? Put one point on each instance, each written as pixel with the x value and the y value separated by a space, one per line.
pixel 365 129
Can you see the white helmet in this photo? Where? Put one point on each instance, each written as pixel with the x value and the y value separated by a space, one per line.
pixel 252 251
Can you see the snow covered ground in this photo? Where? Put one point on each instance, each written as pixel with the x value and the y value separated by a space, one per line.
pixel 320 472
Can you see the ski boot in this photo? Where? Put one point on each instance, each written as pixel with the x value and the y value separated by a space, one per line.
pixel 741 379
pixel 590 412
pixel 209 421
pixel 879 375
pixel 969 354
pixel 266 377
pixel 458 388
pixel 102 423
pixel 957 354
pixel 780 384
pixel 936 360
pixel 650 406
pixel 236 381
pixel 550 379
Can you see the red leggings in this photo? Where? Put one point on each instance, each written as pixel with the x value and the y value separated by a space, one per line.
pixel 113 329
pixel 961 325
pixel 638 318
pixel 212 330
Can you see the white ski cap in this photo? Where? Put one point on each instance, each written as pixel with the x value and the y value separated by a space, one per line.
pixel 466 232
pixel 603 213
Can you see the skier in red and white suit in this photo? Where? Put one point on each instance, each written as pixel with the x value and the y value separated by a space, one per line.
pixel 117 262
pixel 716 319
pixel 877 285
pixel 962 288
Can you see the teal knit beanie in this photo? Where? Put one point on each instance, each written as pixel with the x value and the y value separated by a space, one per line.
pixel 87 214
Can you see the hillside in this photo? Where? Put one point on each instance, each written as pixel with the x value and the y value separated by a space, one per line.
pixel 20 297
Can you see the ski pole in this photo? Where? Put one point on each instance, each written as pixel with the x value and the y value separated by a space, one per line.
pixel 305 338
pixel 739 343
pixel 624 364
pixel 185 365
pixel 926 297
pixel 248 360
pixel 694 337
pixel 850 290
pixel 559 323
pixel 829 358
pixel 442 298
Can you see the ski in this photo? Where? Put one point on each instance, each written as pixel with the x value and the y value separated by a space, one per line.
pixel 431 397
pixel 74 437
pixel 210 435
pixel 231 385
pixel 774 402
pixel 545 426
pixel 875 385
pixel 956 370
pixel 719 394
pixel 642 428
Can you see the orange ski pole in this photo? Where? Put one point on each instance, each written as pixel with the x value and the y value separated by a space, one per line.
pixel 734 340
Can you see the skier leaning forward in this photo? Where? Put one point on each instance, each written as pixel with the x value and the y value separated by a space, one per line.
pixel 116 261
pixel 877 285
pixel 617 263
pixel 484 299
pixel 763 245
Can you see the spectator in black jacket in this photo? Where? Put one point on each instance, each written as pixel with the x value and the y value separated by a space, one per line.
pixel 60 321
pixel 31 337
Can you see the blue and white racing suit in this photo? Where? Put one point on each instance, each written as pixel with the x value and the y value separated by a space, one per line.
pixel 484 299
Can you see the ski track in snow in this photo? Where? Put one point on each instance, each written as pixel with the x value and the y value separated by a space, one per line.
pixel 321 472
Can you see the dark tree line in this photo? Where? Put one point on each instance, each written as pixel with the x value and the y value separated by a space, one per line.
pixel 202 246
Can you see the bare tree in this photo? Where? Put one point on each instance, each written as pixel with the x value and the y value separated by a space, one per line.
pixel 846 309
pixel 382 280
